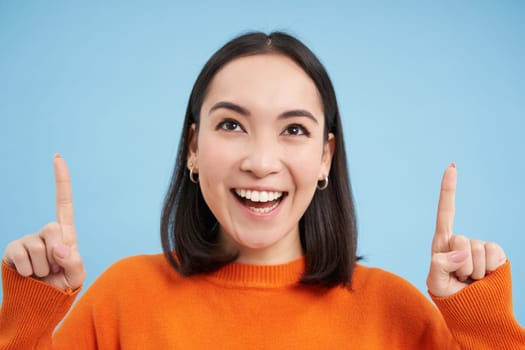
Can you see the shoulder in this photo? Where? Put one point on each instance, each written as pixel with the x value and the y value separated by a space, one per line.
pixel 393 294
pixel 396 310
pixel 135 273
pixel 141 267
pixel 142 262
pixel 373 278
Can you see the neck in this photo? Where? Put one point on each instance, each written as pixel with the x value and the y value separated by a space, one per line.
pixel 281 252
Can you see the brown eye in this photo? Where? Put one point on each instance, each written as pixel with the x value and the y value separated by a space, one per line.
pixel 229 125
pixel 296 130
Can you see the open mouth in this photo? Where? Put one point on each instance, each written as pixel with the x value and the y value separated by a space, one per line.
pixel 260 202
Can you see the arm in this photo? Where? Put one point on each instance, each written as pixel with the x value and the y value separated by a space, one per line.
pixel 481 316
pixel 30 311
pixel 42 273
pixel 470 282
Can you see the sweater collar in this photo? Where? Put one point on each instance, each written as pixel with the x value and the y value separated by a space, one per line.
pixel 259 276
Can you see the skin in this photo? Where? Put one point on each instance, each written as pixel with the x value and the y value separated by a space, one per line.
pixel 51 255
pixel 457 260
pixel 261 128
pixel 258 155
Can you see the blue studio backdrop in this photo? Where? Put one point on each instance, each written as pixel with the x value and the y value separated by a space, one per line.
pixel 420 84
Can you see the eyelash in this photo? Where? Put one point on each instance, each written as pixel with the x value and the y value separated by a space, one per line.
pixel 231 125
pixel 302 130
pixel 227 124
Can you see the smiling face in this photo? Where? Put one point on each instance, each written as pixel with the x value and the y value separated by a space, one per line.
pixel 259 152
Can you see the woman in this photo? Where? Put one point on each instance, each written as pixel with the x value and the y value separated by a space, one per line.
pixel 259 239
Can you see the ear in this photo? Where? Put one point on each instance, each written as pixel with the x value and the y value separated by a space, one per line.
pixel 192 156
pixel 328 153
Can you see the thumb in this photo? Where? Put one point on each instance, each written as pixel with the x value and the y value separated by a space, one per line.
pixel 68 258
pixel 455 260
pixel 440 280
pixel 61 252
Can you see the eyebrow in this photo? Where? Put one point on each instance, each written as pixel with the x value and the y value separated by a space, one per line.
pixel 245 112
pixel 230 106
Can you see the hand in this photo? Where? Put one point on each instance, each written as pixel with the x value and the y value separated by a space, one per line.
pixel 51 255
pixel 457 261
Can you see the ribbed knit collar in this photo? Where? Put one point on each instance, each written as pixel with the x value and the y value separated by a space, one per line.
pixel 259 276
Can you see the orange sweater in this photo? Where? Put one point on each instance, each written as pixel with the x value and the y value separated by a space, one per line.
pixel 142 303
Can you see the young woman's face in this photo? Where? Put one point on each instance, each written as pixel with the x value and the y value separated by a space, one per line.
pixel 259 152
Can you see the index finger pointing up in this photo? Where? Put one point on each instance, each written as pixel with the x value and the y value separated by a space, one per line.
pixel 64 200
pixel 446 210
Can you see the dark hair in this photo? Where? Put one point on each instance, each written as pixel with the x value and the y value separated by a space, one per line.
pixel 328 230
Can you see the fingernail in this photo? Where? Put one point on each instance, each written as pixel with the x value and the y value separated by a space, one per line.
pixel 57 155
pixel 457 257
pixel 61 250
pixel 452 165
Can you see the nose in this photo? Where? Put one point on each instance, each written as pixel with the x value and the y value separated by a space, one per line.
pixel 262 157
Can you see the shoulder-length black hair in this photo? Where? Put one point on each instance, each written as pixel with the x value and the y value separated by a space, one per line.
pixel 328 230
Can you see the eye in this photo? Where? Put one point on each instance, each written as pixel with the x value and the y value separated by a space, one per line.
pixel 229 125
pixel 296 130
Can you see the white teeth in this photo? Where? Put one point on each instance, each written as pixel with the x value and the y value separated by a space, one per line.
pixel 264 210
pixel 258 196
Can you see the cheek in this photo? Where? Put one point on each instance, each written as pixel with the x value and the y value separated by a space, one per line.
pixel 215 162
pixel 305 165
pixel 212 153
pixel 208 158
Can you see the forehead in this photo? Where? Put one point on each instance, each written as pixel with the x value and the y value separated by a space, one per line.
pixel 264 80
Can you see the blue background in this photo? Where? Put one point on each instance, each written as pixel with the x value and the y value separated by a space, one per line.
pixel 419 84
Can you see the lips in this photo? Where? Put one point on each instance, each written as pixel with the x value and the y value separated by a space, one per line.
pixel 260 202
